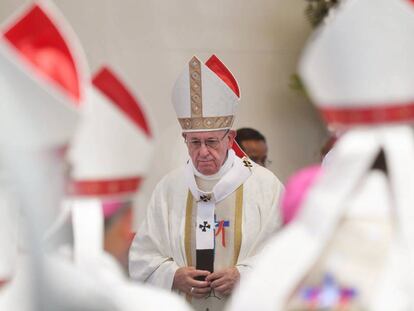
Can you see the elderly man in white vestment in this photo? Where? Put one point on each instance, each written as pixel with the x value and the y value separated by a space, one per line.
pixel 207 220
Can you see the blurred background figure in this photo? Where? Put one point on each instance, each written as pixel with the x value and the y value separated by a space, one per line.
pixel 351 245
pixel 42 75
pixel 253 143
pixel 298 185
pixel 296 190
pixel 118 230
pixel 110 157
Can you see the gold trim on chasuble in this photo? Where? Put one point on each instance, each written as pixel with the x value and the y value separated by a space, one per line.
pixel 187 231
pixel 187 234
pixel 237 228
pixel 238 223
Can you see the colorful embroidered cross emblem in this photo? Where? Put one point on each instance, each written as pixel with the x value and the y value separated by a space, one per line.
pixel 204 226
pixel 329 295
pixel 247 163
pixel 205 197
pixel 221 226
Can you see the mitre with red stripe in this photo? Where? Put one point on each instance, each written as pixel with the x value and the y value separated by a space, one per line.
pixel 42 84
pixel 112 149
pixel 205 96
pixel 361 71
pixel 42 75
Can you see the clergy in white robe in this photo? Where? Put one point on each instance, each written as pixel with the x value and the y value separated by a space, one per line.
pixel 42 83
pixel 351 245
pixel 207 220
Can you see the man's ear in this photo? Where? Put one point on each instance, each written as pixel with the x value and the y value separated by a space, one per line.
pixel 231 135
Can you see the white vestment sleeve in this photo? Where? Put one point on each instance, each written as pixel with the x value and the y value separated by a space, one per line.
pixel 150 256
pixel 269 194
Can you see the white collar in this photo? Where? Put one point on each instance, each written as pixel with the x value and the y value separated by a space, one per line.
pixel 232 174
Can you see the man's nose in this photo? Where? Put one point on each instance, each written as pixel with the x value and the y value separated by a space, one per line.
pixel 204 150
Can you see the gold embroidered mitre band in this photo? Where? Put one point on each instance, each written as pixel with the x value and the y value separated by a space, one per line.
pixel 206 123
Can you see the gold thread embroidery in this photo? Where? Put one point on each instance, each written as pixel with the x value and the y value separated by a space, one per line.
pixel 238 223
pixel 187 234
pixel 195 88
pixel 188 218
pixel 206 123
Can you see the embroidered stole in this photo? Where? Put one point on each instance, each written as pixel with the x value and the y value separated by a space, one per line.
pixel 213 224
pixel 228 237
pixel 206 203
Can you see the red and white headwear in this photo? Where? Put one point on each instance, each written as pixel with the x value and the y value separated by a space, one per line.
pixel 205 96
pixel 110 155
pixel 112 149
pixel 42 84
pixel 42 78
pixel 359 71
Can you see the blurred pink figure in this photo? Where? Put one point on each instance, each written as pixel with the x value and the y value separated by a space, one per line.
pixel 297 188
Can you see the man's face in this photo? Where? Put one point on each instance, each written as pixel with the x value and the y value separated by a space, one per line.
pixel 117 235
pixel 256 150
pixel 208 150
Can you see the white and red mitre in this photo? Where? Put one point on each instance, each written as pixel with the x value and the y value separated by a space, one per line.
pixel 360 71
pixel 351 245
pixel 42 75
pixel 110 155
pixel 42 78
pixel 112 149
pixel 205 96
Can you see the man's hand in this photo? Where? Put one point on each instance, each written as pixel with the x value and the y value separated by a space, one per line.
pixel 184 280
pixel 223 281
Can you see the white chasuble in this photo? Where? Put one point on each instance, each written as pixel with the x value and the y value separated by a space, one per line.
pixel 168 240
